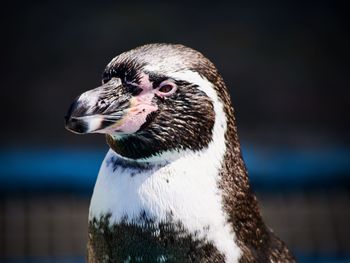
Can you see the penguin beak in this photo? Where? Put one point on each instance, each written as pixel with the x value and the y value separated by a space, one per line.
pixel 97 109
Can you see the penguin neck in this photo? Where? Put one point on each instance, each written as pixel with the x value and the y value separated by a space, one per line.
pixel 239 202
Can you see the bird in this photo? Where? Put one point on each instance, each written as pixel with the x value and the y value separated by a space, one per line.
pixel 173 186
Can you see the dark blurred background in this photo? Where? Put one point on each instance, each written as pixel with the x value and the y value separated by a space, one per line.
pixel 286 64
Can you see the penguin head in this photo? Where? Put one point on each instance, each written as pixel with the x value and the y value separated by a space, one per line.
pixel 153 99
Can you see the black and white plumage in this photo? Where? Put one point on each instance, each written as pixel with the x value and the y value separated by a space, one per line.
pixel 173 187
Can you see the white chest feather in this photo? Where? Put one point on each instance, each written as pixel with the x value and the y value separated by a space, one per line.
pixel 186 188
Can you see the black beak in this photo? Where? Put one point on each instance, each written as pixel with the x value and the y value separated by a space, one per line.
pixel 97 109
pixel 73 119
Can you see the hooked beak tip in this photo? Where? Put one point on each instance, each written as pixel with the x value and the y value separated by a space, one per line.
pixel 75 125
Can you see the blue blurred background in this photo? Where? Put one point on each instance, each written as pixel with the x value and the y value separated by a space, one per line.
pixel 286 65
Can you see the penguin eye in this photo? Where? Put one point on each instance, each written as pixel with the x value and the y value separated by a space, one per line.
pixel 167 88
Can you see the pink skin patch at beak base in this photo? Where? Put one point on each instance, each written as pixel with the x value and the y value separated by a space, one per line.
pixel 140 107
pixel 134 119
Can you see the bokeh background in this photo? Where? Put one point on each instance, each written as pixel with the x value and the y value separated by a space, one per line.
pixel 286 64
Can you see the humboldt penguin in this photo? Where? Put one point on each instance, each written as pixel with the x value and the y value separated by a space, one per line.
pixel 173 186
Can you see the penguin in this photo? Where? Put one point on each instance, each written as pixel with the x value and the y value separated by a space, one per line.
pixel 173 186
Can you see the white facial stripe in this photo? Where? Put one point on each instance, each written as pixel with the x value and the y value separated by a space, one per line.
pixel 193 77
pixel 192 193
